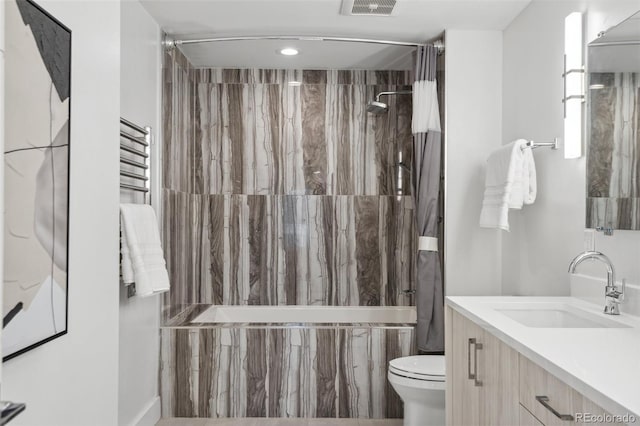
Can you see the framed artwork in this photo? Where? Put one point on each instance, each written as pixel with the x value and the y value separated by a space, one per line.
pixel 36 177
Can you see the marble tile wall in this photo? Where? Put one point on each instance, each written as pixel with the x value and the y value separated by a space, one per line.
pixel 330 372
pixel 613 159
pixel 289 250
pixel 277 192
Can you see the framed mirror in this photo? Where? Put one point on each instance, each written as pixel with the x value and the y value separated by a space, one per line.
pixel 613 128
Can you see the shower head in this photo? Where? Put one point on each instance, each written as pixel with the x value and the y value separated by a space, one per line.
pixel 377 107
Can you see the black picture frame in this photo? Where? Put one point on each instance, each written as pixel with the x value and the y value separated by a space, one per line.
pixel 54 45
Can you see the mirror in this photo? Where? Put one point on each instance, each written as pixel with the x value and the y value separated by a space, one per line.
pixel 613 127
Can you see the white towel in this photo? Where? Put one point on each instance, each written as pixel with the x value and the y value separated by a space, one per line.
pixel 529 179
pixel 142 256
pixel 509 184
pixel 426 112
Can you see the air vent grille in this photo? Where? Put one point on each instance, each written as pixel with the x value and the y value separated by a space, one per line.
pixel 368 7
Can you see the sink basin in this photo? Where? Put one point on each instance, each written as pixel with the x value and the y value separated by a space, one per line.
pixel 559 317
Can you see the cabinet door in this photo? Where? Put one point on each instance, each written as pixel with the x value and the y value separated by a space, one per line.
pixel 463 395
pixel 491 397
pixel 499 374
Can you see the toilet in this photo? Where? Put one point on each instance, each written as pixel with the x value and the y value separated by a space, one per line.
pixel 420 382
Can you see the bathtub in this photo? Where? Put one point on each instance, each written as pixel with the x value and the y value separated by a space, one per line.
pixel 307 315
pixel 284 361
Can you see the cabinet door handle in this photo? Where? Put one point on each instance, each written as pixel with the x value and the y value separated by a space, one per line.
pixel 472 376
pixel 477 347
pixel 544 400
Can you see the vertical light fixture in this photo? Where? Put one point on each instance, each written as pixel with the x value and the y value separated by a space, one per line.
pixel 573 85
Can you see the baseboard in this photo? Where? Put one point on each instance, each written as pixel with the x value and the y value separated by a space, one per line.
pixel 150 415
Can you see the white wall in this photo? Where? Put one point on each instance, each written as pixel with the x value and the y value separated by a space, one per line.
pixel 548 234
pixel 473 67
pixel 72 380
pixel 140 68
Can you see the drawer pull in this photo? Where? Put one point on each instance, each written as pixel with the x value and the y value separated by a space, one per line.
pixel 472 376
pixel 544 400
pixel 477 347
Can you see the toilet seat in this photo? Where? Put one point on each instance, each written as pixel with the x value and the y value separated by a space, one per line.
pixel 419 367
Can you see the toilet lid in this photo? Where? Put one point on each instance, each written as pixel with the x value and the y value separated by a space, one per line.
pixel 421 367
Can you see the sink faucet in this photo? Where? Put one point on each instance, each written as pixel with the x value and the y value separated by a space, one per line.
pixel 613 296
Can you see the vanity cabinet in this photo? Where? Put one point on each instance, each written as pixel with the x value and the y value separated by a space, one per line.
pixel 489 383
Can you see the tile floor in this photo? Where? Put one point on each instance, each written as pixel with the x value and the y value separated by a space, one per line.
pixel 278 422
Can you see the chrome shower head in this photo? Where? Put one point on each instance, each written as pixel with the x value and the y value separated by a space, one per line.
pixel 376 107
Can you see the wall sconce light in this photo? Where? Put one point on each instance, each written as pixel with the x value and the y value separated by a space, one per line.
pixel 573 85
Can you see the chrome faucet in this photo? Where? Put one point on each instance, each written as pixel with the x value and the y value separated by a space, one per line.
pixel 613 296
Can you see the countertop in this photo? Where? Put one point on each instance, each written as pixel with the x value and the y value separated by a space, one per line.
pixel 601 363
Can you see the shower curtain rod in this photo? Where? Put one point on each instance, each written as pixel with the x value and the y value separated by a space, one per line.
pixel 170 43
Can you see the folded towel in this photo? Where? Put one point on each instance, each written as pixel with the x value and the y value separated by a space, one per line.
pixel 509 184
pixel 524 186
pixel 142 256
pixel 516 195
pixel 529 180
pixel 499 181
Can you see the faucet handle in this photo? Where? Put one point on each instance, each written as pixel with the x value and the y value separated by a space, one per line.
pixel 612 291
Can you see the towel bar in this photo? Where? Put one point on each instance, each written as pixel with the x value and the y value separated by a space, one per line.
pixel 534 145
pixel 135 141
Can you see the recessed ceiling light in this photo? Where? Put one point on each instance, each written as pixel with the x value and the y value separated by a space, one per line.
pixel 295 83
pixel 289 51
pixel 596 86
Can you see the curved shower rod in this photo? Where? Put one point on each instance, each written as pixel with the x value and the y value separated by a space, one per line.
pixel 171 43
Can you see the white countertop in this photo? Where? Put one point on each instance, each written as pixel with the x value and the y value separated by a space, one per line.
pixel 601 363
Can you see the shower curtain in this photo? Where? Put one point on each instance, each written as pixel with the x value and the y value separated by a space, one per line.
pixel 427 148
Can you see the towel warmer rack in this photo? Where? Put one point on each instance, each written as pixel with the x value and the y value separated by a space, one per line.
pixel 135 164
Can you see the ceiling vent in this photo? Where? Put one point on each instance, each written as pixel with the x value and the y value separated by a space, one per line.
pixel 368 7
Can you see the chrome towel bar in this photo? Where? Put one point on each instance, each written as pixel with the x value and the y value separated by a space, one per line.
pixel 135 143
pixel 534 145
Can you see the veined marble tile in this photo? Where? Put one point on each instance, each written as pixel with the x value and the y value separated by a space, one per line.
pixel 256 366
pixel 178 123
pixel 285 250
pixel 273 138
pixel 277 76
pixel 364 353
pixel 302 372
pixel 193 246
pixel 284 194
pixel 399 342
pixel 281 372
pixel 353 373
pixel 398 245
pixel 292 374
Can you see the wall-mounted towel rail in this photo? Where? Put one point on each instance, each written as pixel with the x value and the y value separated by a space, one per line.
pixel 135 165
pixel 534 145
pixel 135 142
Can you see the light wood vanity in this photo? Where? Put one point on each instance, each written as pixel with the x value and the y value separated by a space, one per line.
pixel 490 383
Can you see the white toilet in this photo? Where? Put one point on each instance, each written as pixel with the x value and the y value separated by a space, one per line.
pixel 420 382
